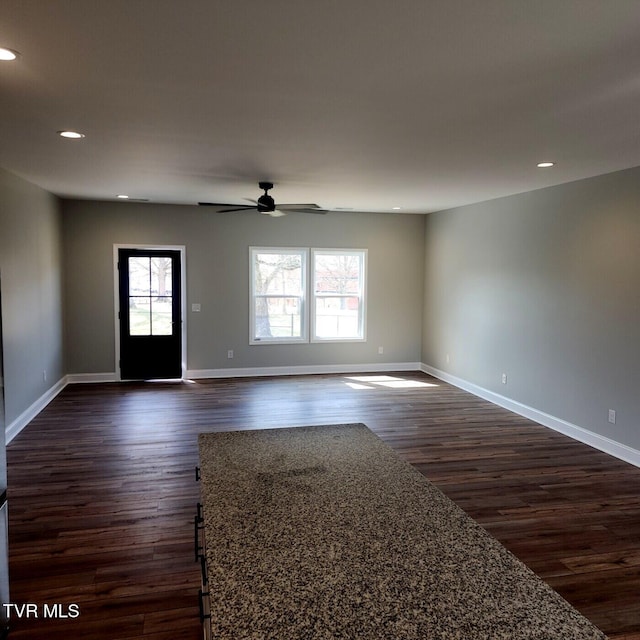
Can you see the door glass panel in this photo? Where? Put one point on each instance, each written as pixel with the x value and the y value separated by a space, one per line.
pixel 139 316
pixel 139 276
pixel 160 276
pixel 161 316
pixel 150 296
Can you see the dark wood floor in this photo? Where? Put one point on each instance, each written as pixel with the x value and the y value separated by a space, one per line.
pixel 102 494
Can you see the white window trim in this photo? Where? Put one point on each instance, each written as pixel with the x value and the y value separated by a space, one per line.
pixel 308 298
pixel 304 309
pixel 363 294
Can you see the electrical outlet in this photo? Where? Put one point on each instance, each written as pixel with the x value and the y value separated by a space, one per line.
pixel 447 358
pixel 380 350
pixel 196 307
pixel 612 416
pixel 230 354
pixel 504 378
pixel 44 375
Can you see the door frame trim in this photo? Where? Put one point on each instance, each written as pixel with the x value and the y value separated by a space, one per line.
pixel 183 298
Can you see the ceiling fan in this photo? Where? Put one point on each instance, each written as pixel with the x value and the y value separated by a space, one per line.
pixel 266 204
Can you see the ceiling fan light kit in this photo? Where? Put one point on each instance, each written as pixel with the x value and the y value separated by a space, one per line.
pixel 8 54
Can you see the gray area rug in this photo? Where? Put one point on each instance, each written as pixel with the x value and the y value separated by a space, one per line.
pixel 324 532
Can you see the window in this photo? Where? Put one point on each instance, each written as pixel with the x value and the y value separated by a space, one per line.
pixel 282 284
pixel 338 294
pixel 278 286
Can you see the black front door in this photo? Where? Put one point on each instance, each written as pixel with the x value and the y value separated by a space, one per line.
pixel 150 314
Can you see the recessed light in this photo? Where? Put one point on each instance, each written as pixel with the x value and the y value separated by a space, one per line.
pixel 546 165
pixel 122 196
pixel 8 54
pixel 73 135
pixel 396 208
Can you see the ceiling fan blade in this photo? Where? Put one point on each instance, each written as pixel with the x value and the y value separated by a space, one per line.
pixel 321 211
pixel 298 207
pixel 236 209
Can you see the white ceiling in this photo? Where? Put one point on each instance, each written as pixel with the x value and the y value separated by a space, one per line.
pixel 362 104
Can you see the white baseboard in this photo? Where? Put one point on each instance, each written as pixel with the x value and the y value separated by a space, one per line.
pixel 251 372
pixel 88 378
pixel 302 370
pixel 602 443
pixel 17 425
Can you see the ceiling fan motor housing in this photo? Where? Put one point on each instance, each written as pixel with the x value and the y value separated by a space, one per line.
pixel 266 204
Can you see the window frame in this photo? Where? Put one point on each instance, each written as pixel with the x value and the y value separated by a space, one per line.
pixel 304 312
pixel 362 295
pixel 308 298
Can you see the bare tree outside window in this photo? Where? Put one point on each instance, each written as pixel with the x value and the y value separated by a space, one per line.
pixel 337 274
pixel 161 274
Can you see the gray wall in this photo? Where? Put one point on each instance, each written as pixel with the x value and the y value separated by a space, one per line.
pixel 217 256
pixel 543 286
pixel 30 269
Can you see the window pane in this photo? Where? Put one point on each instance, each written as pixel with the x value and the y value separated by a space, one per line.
pixel 338 317
pixel 161 277
pixel 337 273
pixel 279 289
pixel 139 276
pixel 338 301
pixel 161 316
pixel 278 317
pixel 139 316
pixel 278 274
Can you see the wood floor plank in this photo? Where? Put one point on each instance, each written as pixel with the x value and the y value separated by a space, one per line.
pixel 102 493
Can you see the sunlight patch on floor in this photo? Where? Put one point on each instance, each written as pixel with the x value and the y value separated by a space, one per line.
pixel 356 385
pixel 392 382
